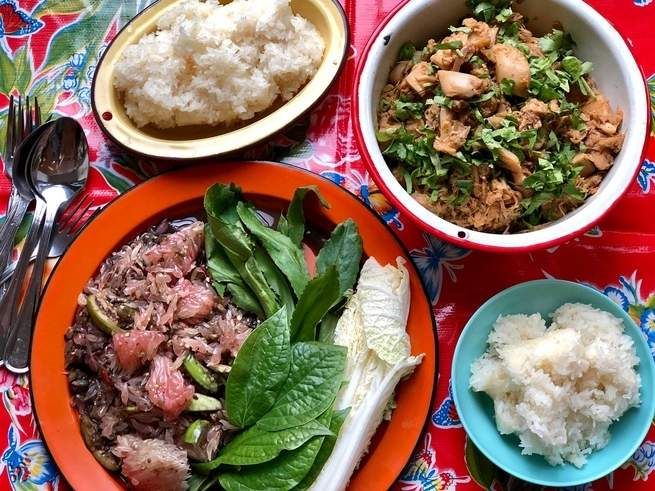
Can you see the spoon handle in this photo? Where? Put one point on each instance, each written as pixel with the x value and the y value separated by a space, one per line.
pixel 10 301
pixel 17 349
pixel 15 214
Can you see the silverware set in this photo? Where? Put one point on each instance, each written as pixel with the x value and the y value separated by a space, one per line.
pixel 48 164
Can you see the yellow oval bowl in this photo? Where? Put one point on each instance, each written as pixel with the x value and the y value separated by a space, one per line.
pixel 195 142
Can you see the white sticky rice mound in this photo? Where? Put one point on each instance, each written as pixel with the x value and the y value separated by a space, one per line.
pixel 217 64
pixel 559 388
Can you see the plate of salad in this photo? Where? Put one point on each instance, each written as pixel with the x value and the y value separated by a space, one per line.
pixel 242 326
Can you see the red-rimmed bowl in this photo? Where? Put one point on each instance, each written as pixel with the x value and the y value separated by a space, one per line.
pixel 615 72
pixel 180 193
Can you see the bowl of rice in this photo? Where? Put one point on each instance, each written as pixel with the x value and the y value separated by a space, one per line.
pixel 190 79
pixel 554 382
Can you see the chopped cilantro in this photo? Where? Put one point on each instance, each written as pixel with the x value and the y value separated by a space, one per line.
pixel 408 110
pixel 440 99
pixel 449 45
pixel 556 41
pixel 507 86
pixel 407 51
pixel 490 9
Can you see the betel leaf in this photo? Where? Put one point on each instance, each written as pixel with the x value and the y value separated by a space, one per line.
pixel 281 473
pixel 295 219
pixel 259 371
pixel 344 251
pixel 314 379
pixel 285 471
pixel 285 254
pixel 338 417
pixel 220 205
pixel 276 279
pixel 256 446
pixel 320 294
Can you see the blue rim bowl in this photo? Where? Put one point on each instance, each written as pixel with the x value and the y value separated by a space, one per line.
pixel 476 409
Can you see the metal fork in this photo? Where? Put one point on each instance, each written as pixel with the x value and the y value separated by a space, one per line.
pixel 21 121
pixel 70 225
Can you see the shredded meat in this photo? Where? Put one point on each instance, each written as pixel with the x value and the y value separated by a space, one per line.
pixel 420 78
pixel 512 65
pixel 452 133
pixel 461 85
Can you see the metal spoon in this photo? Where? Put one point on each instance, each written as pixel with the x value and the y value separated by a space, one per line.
pixel 10 300
pixel 59 171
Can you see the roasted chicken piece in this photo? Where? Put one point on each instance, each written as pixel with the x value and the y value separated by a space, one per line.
pixel 420 78
pixel 512 65
pixel 461 85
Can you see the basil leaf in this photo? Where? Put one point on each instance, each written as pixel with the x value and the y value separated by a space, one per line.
pixel 282 473
pixel 338 417
pixel 282 225
pixel 320 294
pixel 285 254
pixel 220 205
pixel 259 371
pixel 256 446
pixel 344 251
pixel 276 279
pixel 295 218
pixel 314 379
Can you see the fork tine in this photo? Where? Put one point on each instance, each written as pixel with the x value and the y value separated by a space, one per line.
pixel 28 116
pixel 9 136
pixel 20 121
pixel 37 112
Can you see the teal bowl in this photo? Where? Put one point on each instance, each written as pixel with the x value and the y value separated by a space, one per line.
pixel 476 409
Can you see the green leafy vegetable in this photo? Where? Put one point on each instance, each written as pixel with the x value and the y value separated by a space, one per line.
pixel 255 445
pixel 342 250
pixel 220 204
pixel 407 51
pixel 450 45
pixel 295 218
pixel 288 257
pixel 259 371
pixel 282 473
pixel 201 483
pixel 323 454
pixel 194 431
pixel 314 379
pixel 408 110
pixel 276 279
pixel 321 293
pixel 327 327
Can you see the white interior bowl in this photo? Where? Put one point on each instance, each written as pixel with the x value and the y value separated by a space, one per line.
pixel 615 72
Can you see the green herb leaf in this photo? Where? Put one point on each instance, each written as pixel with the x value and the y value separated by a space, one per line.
pixel 281 473
pixel 449 45
pixel 327 327
pixel 507 86
pixel 314 378
pixel 259 371
pixel 342 250
pixel 285 254
pixel 556 41
pixel 255 445
pixel 276 279
pixel 338 417
pixel 295 218
pixel 408 110
pixel 221 208
pixel 321 293
pixel 407 51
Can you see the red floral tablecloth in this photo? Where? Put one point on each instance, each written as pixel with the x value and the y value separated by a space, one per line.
pixel 49 48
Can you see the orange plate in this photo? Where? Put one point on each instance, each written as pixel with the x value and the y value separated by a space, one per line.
pixel 176 194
